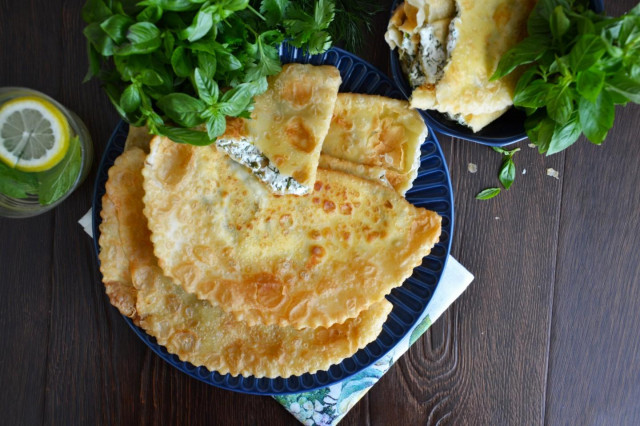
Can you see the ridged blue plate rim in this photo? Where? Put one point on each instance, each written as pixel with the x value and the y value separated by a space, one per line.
pixel 432 189
pixel 490 135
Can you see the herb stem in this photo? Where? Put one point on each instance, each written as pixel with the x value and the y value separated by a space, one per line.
pixel 258 14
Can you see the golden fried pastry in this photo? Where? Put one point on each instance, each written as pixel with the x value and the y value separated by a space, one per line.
pixel 114 264
pixel 287 126
pixel 138 137
pixel 304 261
pixel 377 132
pixel 201 333
pixel 449 56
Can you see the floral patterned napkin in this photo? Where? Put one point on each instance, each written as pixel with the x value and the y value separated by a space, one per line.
pixel 327 406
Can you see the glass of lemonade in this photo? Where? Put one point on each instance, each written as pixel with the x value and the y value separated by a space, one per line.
pixel 45 152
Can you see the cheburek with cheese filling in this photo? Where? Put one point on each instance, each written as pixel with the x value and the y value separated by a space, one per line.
pixel 287 127
pixel 196 330
pixel 449 58
pixel 308 261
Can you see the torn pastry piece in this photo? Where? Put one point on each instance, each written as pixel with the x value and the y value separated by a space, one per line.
pixel 281 142
pixel 203 334
pixel 308 261
pixel 378 132
pixel 451 57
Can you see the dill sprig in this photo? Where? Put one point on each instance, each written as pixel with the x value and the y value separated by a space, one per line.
pixel 353 21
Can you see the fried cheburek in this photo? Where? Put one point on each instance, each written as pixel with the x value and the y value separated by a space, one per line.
pixel 308 261
pixel 288 124
pixel 196 330
pixel 450 49
pixel 377 132
pixel 114 264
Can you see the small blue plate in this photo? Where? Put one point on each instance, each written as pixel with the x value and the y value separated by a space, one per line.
pixel 432 190
pixel 507 129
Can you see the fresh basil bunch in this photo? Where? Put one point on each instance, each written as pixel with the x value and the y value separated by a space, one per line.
pixel 178 64
pixel 582 65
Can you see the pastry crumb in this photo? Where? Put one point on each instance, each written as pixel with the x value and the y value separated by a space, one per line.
pixel 472 168
pixel 553 173
pixel 524 171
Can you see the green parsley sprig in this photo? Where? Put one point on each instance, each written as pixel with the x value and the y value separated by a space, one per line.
pixel 582 64
pixel 178 64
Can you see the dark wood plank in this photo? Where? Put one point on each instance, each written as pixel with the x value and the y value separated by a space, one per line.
pixel 594 366
pixel 25 272
pixel 26 250
pixel 473 364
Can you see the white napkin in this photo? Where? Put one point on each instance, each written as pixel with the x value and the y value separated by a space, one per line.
pixel 327 406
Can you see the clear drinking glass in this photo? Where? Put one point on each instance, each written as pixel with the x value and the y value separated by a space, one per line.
pixel 31 205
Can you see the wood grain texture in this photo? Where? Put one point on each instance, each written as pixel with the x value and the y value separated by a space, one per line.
pixel 547 333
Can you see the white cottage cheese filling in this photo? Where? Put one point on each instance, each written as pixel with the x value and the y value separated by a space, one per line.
pixel 247 154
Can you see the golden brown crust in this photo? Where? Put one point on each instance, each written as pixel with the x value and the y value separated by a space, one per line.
pixel 291 119
pixel 114 264
pixel 305 261
pixel 138 137
pixel 377 132
pixel 486 30
pixel 203 334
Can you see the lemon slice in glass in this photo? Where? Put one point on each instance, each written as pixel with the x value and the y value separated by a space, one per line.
pixel 34 134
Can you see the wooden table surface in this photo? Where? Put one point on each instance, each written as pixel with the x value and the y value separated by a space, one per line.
pixel 549 331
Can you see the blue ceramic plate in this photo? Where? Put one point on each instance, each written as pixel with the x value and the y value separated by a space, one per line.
pixel 432 189
pixel 507 129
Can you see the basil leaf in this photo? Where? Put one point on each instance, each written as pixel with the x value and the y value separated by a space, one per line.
pixel 181 62
pixel 99 39
pixel 226 61
pixel 529 50
pixel 207 63
pixel 202 23
pixel 533 95
pixel 55 183
pixel 94 62
pixel 564 135
pixel 624 85
pixel 559 102
pixel 590 83
pixel 15 183
pixel 507 173
pixel 144 37
pixel 586 52
pixel 559 22
pixel 152 77
pixel 150 14
pixel 171 5
pixel 116 27
pixel 597 117
pixel 238 99
pixel 487 193
pixel 143 32
pixel 183 109
pixel 207 88
pixel 179 135
pixel 130 98
pixel 544 134
pixel 216 125
pixel 95 11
